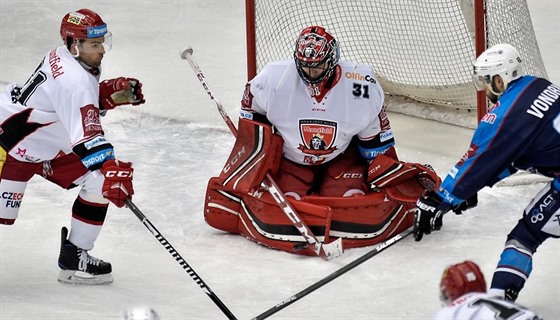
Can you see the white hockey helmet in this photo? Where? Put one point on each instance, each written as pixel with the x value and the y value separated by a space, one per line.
pixel 500 60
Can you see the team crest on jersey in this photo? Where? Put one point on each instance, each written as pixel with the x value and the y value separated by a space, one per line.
pixel 317 138
pixel 90 120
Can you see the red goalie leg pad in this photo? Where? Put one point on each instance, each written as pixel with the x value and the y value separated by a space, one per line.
pixel 262 221
pixel 366 220
pixel 221 207
pixel 257 151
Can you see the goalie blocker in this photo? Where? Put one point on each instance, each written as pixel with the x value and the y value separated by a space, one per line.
pixel 237 203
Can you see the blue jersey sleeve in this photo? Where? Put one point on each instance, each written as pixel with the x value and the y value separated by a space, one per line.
pixel 510 132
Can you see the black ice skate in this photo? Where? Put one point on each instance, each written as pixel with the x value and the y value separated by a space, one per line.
pixel 78 267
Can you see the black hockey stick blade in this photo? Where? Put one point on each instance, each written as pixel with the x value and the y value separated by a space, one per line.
pixel 380 247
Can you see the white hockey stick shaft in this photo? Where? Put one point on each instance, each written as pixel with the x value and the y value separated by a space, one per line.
pixel 326 251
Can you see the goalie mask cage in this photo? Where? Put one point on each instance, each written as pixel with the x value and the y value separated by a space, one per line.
pixel 422 50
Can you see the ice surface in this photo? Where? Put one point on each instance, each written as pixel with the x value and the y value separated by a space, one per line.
pixel 183 142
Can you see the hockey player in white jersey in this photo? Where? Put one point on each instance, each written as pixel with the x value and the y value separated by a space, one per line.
pixel 318 126
pixel 326 120
pixel 463 294
pixel 50 126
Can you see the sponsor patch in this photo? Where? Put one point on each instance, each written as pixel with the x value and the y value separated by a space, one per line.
pixel 96 32
pixel 97 141
pixel 75 18
pixel 387 135
pixel 453 172
pixel 90 120
pixel 98 157
pixel 246 114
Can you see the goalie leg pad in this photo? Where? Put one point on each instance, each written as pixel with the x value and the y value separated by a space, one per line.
pixel 264 222
pixel 222 206
pixel 366 220
pixel 257 217
pixel 257 150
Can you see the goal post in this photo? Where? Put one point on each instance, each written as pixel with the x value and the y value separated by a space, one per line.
pixel 422 51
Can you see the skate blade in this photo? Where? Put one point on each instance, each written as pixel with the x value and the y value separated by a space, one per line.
pixel 79 277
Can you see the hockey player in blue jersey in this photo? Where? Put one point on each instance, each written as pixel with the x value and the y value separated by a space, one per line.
pixel 520 132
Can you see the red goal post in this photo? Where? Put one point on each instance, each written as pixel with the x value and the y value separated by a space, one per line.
pixel 422 51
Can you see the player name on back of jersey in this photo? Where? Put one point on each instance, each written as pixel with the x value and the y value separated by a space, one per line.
pixel 544 101
pixel 56 69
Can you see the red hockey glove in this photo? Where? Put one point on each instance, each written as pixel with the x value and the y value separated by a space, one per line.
pixel 120 91
pixel 117 186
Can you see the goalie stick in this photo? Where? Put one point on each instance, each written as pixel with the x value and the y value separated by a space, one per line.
pixel 324 250
pixel 380 247
pixel 179 259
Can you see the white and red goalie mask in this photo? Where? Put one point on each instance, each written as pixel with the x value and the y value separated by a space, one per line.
pixel 316 48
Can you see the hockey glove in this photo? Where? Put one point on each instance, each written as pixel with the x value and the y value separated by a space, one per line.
pixel 117 186
pixel 465 205
pixel 429 214
pixel 120 91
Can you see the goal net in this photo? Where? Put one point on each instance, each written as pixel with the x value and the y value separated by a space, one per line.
pixel 422 50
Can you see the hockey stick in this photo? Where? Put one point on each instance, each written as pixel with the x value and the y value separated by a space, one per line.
pixel 179 259
pixel 333 275
pixel 325 251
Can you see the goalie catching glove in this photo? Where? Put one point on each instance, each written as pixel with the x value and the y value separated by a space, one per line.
pixel 120 91
pixel 401 181
pixel 430 209
pixel 117 186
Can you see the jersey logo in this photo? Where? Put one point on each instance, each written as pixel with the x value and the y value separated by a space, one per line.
pixel 317 138
pixel 90 120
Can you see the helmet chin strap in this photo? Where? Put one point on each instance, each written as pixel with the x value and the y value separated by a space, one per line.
pixel 77 50
pixel 495 92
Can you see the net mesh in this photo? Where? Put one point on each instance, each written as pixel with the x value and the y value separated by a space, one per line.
pixel 420 50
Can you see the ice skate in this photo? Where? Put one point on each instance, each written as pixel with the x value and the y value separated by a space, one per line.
pixel 78 267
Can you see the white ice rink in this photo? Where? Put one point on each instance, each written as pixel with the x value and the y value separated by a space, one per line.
pixel 177 141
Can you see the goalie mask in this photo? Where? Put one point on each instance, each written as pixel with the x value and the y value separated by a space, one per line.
pixel 460 279
pixel 316 48
pixel 500 60
pixel 84 24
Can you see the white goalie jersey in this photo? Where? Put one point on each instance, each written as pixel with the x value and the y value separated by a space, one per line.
pixel 481 306
pixel 315 130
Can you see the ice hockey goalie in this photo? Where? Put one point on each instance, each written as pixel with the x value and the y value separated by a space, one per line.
pixel 237 202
